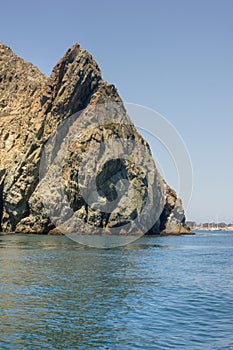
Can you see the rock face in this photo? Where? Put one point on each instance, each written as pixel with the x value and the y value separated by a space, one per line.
pixel 32 107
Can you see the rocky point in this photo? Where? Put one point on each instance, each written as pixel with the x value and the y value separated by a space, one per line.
pixel 32 107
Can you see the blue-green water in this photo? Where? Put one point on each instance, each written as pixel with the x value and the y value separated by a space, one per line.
pixel 157 293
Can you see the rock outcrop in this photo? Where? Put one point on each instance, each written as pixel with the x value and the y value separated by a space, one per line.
pixel 32 107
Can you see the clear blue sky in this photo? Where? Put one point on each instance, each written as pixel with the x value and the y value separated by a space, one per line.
pixel 174 56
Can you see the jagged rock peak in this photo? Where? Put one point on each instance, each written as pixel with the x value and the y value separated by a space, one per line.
pixel 19 83
pixel 75 56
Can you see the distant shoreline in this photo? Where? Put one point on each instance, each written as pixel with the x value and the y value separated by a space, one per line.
pixel 210 226
pixel 226 229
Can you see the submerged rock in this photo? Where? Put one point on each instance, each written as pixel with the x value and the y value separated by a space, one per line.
pixel 32 107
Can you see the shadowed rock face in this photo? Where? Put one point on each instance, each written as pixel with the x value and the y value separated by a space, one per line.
pixel 32 106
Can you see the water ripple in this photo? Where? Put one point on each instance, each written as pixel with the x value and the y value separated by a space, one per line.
pixel 157 293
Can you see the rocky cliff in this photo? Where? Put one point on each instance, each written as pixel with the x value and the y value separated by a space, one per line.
pixel 32 109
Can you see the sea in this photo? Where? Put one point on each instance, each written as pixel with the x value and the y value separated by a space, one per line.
pixel 155 293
